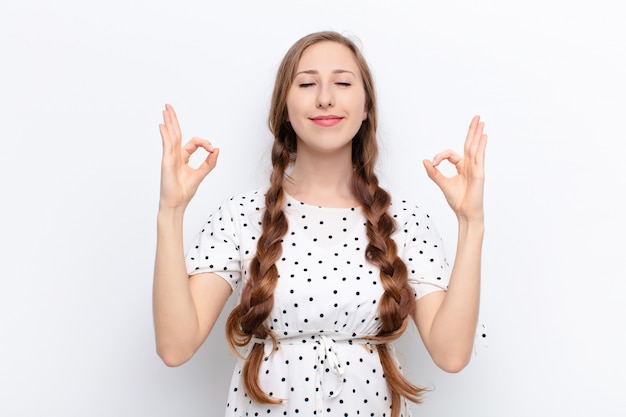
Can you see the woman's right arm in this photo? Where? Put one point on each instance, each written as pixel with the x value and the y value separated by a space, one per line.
pixel 184 308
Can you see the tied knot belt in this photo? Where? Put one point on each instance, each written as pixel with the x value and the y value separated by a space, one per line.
pixel 327 358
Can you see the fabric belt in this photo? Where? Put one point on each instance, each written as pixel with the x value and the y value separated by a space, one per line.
pixel 327 358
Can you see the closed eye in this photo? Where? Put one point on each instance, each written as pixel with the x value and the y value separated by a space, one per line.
pixel 305 85
pixel 344 84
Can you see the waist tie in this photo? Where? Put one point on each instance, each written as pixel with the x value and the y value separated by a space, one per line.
pixel 327 358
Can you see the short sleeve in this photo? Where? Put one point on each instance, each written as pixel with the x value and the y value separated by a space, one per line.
pixel 216 247
pixel 424 254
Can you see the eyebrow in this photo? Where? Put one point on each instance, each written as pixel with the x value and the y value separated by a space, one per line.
pixel 315 72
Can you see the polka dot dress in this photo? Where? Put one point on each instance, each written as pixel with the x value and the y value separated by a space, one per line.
pixel 326 302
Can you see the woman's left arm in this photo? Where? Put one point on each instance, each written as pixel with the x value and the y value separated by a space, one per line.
pixel 447 320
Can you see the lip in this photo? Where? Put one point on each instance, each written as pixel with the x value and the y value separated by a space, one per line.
pixel 327 120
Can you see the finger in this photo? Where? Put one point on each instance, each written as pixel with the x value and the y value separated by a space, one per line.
pixel 195 143
pixel 474 143
pixel 433 173
pixel 209 163
pixel 171 122
pixel 480 153
pixel 166 140
pixel 172 114
pixel 472 126
pixel 169 135
pixel 471 133
pixel 164 135
pixel 449 155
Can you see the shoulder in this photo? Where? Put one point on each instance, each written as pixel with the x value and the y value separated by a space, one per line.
pixel 240 214
pixel 405 211
pixel 414 226
pixel 247 202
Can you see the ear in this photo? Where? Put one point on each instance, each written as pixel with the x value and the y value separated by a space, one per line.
pixel 364 114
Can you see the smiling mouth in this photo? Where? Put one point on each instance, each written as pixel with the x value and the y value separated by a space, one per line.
pixel 327 120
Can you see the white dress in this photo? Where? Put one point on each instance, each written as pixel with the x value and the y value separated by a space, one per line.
pixel 326 300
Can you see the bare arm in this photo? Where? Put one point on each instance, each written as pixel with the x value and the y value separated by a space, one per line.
pixel 447 320
pixel 185 308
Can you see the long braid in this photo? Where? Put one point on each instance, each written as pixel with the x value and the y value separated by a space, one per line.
pixel 398 300
pixel 247 320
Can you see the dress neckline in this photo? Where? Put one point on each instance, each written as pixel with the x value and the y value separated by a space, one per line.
pixel 297 203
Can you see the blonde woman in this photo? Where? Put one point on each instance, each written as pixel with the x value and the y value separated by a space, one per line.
pixel 327 267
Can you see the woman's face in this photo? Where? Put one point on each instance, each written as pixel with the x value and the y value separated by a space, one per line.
pixel 326 101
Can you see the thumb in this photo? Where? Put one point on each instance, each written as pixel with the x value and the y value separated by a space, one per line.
pixel 432 172
pixel 208 164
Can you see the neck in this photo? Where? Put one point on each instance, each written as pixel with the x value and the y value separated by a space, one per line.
pixel 322 179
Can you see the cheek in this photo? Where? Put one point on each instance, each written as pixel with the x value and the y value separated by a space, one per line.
pixel 291 106
pixel 288 110
pixel 363 107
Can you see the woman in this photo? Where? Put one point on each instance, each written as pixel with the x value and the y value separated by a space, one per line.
pixel 329 270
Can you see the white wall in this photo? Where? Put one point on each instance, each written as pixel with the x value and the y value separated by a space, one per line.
pixel 81 89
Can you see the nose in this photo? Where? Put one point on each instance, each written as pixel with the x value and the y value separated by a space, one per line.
pixel 325 98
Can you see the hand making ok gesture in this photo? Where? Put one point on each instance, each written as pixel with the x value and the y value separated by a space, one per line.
pixel 464 191
pixel 179 181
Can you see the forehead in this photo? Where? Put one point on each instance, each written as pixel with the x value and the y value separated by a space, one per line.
pixel 328 56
